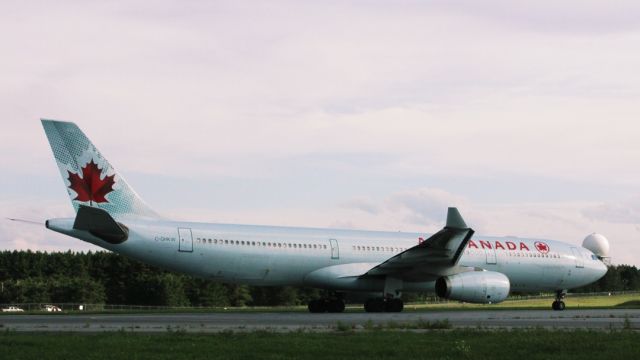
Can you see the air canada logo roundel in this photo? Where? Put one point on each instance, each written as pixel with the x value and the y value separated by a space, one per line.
pixel 542 247
pixel 90 187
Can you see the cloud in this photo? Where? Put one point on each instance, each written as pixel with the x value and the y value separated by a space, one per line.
pixel 425 206
pixel 623 212
pixel 363 204
pixel 380 116
pixel 21 235
pixel 566 17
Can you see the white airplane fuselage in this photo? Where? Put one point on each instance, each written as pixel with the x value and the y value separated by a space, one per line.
pixel 452 262
pixel 269 255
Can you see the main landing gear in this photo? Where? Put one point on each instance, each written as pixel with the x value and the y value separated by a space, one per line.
pixel 334 304
pixel 384 305
pixel 558 304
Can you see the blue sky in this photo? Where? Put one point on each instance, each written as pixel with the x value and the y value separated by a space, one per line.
pixel 363 114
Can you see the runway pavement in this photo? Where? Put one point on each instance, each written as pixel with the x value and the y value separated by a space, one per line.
pixel 292 321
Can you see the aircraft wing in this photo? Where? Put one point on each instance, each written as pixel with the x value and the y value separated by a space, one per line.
pixel 436 256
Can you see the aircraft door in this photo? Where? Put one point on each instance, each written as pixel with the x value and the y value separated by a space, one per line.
pixel 491 256
pixel 185 238
pixel 578 256
pixel 335 252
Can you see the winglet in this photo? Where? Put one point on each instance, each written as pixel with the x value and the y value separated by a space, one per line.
pixel 454 219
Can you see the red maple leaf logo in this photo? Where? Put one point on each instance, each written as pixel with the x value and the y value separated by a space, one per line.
pixel 542 247
pixel 90 187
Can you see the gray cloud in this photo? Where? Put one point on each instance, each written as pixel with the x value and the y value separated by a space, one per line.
pixel 424 206
pixel 624 212
pixel 572 17
pixel 363 204
pixel 266 105
pixel 21 235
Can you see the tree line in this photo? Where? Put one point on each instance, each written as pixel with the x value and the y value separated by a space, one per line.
pixel 107 278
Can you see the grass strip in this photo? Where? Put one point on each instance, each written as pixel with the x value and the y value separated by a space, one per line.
pixel 373 344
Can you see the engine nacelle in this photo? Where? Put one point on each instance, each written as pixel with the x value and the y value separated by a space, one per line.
pixel 474 286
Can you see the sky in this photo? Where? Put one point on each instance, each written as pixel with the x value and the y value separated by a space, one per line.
pixel 351 114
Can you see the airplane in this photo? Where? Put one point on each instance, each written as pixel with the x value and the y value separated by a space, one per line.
pixel 379 266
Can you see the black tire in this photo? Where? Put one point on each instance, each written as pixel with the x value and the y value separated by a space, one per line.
pixel 374 305
pixel 367 306
pixel 561 305
pixel 394 305
pixel 317 306
pixel 335 306
pixel 554 305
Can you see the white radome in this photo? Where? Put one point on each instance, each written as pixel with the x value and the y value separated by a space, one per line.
pixel 598 244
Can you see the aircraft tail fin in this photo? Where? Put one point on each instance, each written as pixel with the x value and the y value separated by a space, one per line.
pixel 88 176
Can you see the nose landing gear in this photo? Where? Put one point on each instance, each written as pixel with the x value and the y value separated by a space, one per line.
pixel 558 304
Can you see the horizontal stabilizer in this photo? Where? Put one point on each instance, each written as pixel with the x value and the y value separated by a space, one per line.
pixel 99 223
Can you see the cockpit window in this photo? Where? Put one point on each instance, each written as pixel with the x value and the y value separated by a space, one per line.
pixel 593 257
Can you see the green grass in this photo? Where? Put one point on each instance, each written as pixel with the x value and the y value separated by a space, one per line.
pixel 573 302
pixel 373 344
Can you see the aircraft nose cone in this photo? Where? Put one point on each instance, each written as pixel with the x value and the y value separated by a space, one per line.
pixel 598 269
pixel 602 269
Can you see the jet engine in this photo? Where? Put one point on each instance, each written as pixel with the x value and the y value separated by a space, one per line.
pixel 483 287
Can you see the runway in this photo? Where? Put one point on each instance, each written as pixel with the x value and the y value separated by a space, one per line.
pixel 293 321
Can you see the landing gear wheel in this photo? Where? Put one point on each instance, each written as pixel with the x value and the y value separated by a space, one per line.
pixel 335 306
pixel 394 305
pixel 558 304
pixel 374 305
pixel 317 306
